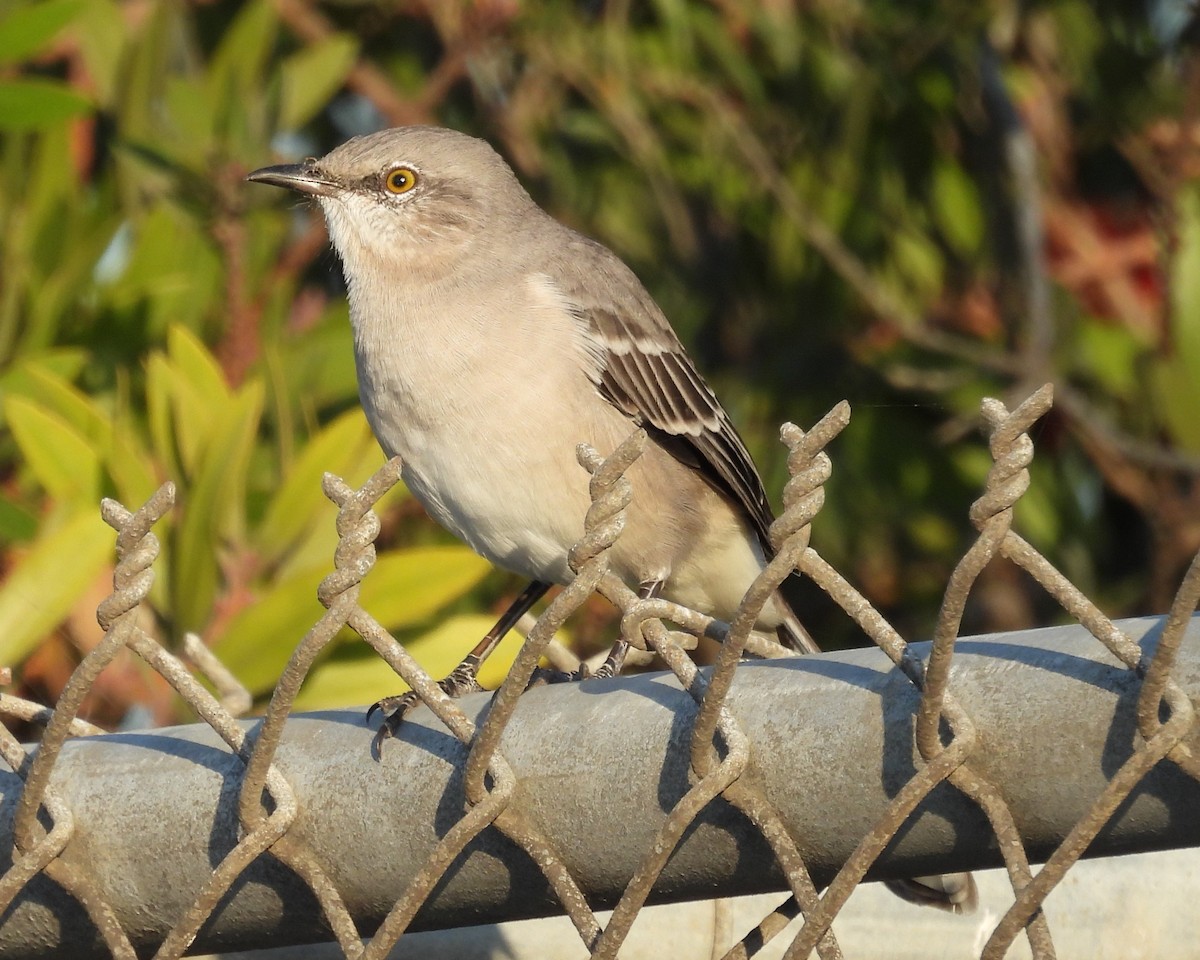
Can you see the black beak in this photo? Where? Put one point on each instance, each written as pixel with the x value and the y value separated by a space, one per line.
pixel 301 177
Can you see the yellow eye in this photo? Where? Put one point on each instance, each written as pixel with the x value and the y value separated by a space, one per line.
pixel 400 180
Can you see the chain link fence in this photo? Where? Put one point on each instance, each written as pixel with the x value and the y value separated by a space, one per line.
pixel 282 811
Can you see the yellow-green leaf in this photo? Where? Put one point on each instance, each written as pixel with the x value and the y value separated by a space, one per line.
pixel 47 582
pixel 66 400
pixel 246 43
pixel 299 503
pixel 957 208
pixel 407 586
pixel 214 506
pixel 362 678
pixel 36 104
pixel 197 366
pixel 65 463
pixel 28 29
pixel 121 454
pixel 403 589
pixel 260 639
pixel 159 401
pixel 354 682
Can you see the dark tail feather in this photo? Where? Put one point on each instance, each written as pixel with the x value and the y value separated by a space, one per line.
pixel 791 632
pixel 955 892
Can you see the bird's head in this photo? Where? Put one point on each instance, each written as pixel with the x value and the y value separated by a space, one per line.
pixel 408 197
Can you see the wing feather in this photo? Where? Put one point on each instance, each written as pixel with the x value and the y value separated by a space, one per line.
pixel 644 371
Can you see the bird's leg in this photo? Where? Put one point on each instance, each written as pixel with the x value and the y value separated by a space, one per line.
pixel 463 678
pixel 612 664
pixel 611 667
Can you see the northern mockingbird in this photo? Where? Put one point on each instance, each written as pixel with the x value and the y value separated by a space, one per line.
pixel 490 340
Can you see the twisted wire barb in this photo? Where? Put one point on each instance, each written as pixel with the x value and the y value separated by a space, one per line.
pixel 730 776
pixel 992 513
pixel 809 468
pixel 354 556
pixel 37 849
pixel 137 548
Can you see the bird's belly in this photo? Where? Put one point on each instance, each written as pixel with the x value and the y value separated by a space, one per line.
pixel 495 484
pixel 515 526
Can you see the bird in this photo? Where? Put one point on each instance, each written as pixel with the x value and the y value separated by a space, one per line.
pixel 490 340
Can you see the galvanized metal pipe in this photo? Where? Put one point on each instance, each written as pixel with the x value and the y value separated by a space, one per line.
pixel 599 766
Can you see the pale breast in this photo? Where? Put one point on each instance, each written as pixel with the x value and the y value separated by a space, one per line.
pixel 485 401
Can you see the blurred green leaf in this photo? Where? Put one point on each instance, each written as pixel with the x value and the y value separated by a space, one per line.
pixel 1177 380
pixel 355 676
pixel 64 364
pixel 238 65
pixel 196 366
pixel 215 506
pixel 956 208
pixel 312 75
pixel 103 38
pixel 17 525
pixel 194 117
pixel 66 400
pixel 64 462
pixel 36 104
pixel 160 381
pixel 342 681
pixel 406 586
pixel 45 582
pixel 1038 515
pixel 1108 354
pixel 300 503
pixel 199 398
pixel 123 457
pixel 25 30
pixel 260 638
pixel 918 263
pixel 173 274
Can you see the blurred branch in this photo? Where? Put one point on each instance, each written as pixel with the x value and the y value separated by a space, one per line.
pixel 240 346
pixel 1094 425
pixel 1020 155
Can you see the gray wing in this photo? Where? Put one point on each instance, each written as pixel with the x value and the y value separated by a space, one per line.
pixel 644 371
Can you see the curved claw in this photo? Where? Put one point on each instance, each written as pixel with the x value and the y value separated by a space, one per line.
pixel 377 705
pixel 401 703
pixel 393 711
pixel 383 734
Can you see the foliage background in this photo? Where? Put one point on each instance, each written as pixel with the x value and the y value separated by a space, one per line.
pixel 908 205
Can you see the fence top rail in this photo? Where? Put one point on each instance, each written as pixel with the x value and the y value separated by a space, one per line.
pixel 600 761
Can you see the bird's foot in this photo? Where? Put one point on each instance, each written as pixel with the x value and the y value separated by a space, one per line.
pixel 613 663
pixel 611 667
pixel 459 682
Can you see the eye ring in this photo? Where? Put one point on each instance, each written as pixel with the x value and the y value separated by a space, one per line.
pixel 400 180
